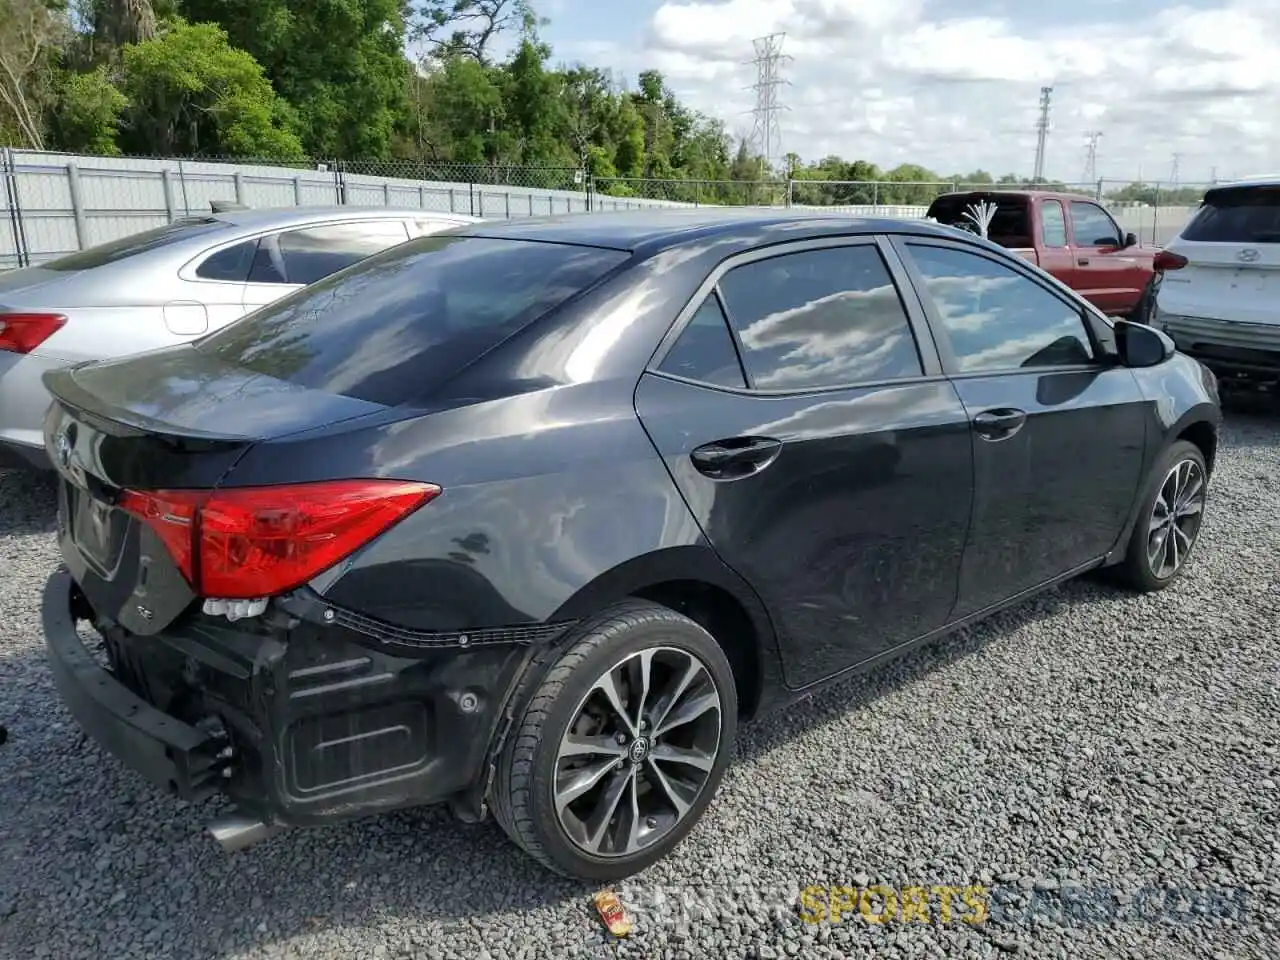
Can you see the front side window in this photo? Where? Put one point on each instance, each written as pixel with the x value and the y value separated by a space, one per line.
pixel 997 319
pixel 1092 226
pixel 820 318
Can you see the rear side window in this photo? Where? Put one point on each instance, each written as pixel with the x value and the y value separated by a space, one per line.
pixel 231 264
pixel 704 350
pixel 136 243
pixel 821 318
pixel 1053 224
pixel 410 317
pixel 1242 215
pixel 314 253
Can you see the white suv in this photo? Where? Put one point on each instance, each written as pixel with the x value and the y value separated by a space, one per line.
pixel 1218 282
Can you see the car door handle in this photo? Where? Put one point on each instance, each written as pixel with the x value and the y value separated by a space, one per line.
pixel 1082 261
pixel 1000 423
pixel 735 457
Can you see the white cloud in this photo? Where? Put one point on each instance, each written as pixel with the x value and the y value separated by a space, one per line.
pixel 884 80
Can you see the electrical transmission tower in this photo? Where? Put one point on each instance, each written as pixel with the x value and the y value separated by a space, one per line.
pixel 1042 132
pixel 766 134
pixel 1091 156
pixel 1173 173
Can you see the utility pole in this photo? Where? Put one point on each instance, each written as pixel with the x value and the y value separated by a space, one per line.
pixel 766 135
pixel 1091 156
pixel 1042 130
pixel 1173 173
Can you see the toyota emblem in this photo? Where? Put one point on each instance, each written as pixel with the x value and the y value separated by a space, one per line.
pixel 62 448
pixel 1248 255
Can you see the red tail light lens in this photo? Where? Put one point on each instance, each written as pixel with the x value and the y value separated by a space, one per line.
pixel 23 332
pixel 1168 261
pixel 261 541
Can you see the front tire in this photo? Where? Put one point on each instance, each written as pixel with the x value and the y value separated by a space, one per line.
pixel 1168 526
pixel 620 747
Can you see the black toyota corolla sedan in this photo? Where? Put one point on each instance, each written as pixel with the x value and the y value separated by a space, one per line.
pixel 529 516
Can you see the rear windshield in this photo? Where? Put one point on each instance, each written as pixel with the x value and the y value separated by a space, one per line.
pixel 1244 215
pixel 388 327
pixel 136 243
pixel 1011 226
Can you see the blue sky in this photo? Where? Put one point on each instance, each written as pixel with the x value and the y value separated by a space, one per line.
pixel 954 85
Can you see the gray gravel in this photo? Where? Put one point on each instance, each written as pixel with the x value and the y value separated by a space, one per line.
pixel 1088 745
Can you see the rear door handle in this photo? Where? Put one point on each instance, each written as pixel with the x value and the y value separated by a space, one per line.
pixel 735 457
pixel 1000 423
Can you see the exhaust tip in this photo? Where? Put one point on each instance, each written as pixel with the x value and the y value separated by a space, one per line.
pixel 236 832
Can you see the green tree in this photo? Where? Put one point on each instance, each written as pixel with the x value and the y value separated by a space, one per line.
pixel 86 115
pixel 338 63
pixel 469 27
pixel 31 33
pixel 191 92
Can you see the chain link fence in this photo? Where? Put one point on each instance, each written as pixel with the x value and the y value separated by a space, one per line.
pixel 59 203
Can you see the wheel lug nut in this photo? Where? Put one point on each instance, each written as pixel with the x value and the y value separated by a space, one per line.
pixel 621 738
pixel 651 822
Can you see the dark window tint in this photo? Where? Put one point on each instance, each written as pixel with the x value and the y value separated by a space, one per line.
pixel 704 350
pixel 1010 225
pixel 137 243
pixel 314 253
pixel 268 265
pixel 409 318
pixel 1053 224
pixel 1240 215
pixel 820 318
pixel 997 319
pixel 230 264
pixel 1092 226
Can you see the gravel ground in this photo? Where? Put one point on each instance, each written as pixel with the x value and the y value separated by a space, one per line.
pixel 1087 748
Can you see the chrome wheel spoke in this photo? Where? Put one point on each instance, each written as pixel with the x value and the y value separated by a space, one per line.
pixel 666 753
pixel 602 816
pixel 1175 518
pixel 673 796
pixel 643 671
pixel 608 685
pixel 581 781
pixel 575 746
pixel 689 710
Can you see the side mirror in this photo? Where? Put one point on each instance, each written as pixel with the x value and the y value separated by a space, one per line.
pixel 1141 346
pixel 1130 240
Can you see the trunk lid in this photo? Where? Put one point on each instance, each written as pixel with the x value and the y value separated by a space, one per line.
pixel 169 419
pixel 1232 246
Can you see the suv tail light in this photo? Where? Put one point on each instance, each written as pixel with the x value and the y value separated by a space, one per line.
pixel 1165 260
pixel 261 541
pixel 23 332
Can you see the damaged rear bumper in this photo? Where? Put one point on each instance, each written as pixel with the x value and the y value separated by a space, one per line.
pixel 299 723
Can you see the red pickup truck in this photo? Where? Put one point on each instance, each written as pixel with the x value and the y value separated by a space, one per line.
pixel 1068 235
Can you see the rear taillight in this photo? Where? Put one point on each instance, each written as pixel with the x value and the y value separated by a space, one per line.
pixel 1165 260
pixel 262 541
pixel 23 332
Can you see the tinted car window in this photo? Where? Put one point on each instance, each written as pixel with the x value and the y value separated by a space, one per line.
pixel 997 319
pixel 1053 224
pixel 231 264
pixel 268 266
pixel 136 243
pixel 1092 227
pixel 820 318
pixel 704 350
pixel 1011 223
pixel 409 317
pixel 314 253
pixel 1242 215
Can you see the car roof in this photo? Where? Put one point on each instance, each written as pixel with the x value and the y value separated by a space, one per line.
pixel 1261 180
pixel 265 217
pixel 1016 192
pixel 649 231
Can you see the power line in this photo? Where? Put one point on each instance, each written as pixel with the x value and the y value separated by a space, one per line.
pixel 1091 156
pixel 1042 132
pixel 766 134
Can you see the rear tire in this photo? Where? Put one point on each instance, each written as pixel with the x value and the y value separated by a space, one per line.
pixel 595 792
pixel 1142 309
pixel 1169 521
